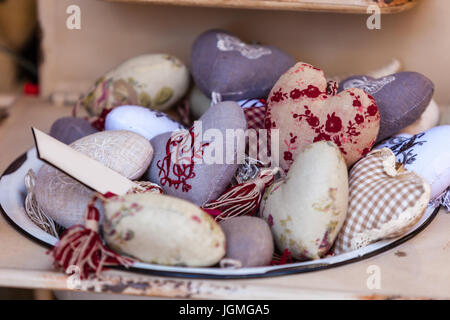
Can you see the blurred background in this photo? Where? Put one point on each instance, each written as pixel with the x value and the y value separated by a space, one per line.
pixel 19 52
pixel 34 34
pixel 19 44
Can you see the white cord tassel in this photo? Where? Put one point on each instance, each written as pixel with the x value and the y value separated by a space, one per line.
pixel 215 98
pixel 442 200
pixel 34 211
pixel 244 198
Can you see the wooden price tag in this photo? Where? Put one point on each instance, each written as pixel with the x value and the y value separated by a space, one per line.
pixel 86 170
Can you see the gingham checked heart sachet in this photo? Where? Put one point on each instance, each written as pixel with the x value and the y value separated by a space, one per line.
pixel 255 112
pixel 384 202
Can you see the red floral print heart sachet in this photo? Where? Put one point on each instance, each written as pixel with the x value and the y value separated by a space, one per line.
pixel 305 111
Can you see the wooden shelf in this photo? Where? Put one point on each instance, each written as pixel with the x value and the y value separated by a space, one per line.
pixel 338 6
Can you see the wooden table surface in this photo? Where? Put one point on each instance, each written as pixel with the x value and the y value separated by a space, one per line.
pixel 418 268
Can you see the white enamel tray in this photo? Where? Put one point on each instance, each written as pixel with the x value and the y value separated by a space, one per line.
pixel 13 192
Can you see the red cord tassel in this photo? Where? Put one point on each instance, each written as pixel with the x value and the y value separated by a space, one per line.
pixel 82 246
pixel 99 122
pixel 244 198
pixel 285 258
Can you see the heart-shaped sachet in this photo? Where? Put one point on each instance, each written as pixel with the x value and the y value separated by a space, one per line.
pixel 304 111
pixel 255 112
pixel 307 209
pixel 148 123
pixel 248 240
pixel 429 119
pixel 427 154
pixel 224 64
pixel 70 129
pixel 199 163
pixel 198 102
pixel 384 201
pixel 401 98
pixel 163 230
pixel 64 199
pixel 153 81
pixel 254 109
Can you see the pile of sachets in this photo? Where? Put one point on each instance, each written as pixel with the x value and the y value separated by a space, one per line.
pixel 262 157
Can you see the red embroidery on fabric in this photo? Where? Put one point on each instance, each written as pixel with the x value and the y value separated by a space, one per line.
pixel 322 136
pixel 310 66
pixel 352 131
pixel 288 156
pixel 366 151
pixel 333 124
pixel 324 126
pixel 357 102
pixel 372 110
pixel 310 92
pixel 359 118
pixel 312 120
pixel 268 123
pixel 332 88
pixel 278 96
pixel 182 148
